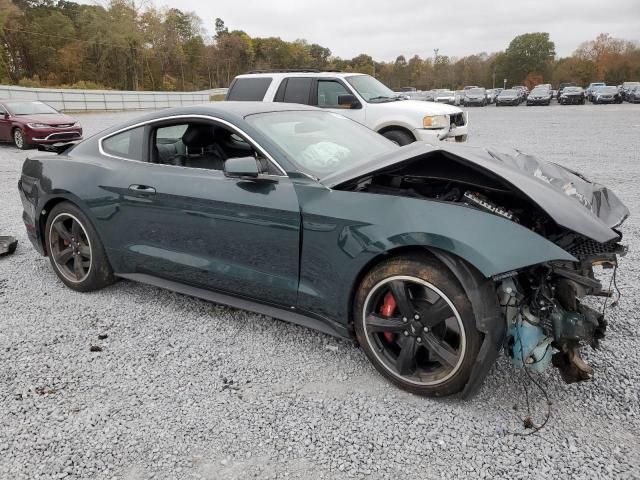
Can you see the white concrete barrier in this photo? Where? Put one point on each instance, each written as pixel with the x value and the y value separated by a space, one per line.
pixel 87 100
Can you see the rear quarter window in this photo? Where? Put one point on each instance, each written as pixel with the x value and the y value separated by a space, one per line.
pixel 249 89
pixel 127 144
pixel 295 90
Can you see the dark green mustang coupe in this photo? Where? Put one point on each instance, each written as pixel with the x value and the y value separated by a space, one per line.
pixel 433 258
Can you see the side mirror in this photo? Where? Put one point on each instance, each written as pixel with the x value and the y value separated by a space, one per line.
pixel 348 100
pixel 241 167
pixel 6 115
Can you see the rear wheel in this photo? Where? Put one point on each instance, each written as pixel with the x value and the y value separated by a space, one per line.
pixel 19 139
pixel 399 137
pixel 416 325
pixel 75 251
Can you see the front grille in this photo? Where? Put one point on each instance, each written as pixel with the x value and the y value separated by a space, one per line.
pixel 456 120
pixel 64 136
pixel 590 248
pixel 63 125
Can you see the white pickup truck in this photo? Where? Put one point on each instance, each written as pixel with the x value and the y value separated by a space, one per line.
pixel 359 97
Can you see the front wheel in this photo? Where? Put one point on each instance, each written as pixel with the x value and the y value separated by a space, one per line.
pixel 399 137
pixel 19 139
pixel 75 250
pixel 416 325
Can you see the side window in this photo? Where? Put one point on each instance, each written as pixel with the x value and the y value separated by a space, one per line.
pixel 328 91
pixel 127 144
pixel 2 110
pixel 249 89
pixel 296 90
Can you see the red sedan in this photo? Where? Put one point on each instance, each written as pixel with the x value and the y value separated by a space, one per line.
pixel 27 123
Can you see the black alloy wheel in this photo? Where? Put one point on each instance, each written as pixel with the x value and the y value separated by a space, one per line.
pixel 75 250
pixel 417 326
pixel 70 247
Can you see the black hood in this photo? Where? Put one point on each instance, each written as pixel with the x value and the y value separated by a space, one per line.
pixel 571 200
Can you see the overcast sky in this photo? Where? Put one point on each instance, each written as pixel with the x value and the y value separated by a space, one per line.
pixel 386 29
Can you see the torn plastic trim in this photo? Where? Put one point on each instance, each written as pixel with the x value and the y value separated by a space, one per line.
pixel 488 315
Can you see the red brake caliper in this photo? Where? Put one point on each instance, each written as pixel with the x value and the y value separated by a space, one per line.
pixel 386 310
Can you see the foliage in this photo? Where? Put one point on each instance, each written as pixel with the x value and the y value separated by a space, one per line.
pixel 120 45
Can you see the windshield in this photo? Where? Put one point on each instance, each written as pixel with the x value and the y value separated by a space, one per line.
pixel 540 90
pixel 608 89
pixel 508 93
pixel 371 89
pixel 476 91
pixel 572 89
pixel 320 143
pixel 29 108
pixel 445 93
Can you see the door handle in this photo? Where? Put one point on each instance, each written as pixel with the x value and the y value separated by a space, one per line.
pixel 142 188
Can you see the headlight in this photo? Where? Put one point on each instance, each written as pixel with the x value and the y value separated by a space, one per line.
pixel 435 121
pixel 38 125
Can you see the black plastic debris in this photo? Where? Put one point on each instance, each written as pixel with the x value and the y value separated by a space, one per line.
pixel 7 245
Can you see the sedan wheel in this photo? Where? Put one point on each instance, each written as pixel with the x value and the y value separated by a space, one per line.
pixel 416 326
pixel 19 140
pixel 75 251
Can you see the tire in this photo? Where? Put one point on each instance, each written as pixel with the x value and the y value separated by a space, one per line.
pixel 438 354
pixel 461 138
pixel 70 236
pixel 19 139
pixel 399 137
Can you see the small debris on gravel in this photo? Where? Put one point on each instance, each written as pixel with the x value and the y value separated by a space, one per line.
pixel 95 348
pixel 7 245
pixel 103 336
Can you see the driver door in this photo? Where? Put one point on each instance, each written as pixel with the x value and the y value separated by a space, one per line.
pixel 197 226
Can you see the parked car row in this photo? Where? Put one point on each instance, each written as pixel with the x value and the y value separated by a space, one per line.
pixel 568 93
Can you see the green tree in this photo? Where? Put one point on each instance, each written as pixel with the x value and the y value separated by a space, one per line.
pixel 526 54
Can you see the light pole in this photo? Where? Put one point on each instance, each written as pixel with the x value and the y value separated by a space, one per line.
pixel 504 86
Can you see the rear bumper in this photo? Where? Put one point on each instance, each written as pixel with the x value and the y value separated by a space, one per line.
pixel 27 188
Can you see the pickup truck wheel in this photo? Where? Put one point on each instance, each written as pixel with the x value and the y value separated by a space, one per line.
pixel 399 137
pixel 461 138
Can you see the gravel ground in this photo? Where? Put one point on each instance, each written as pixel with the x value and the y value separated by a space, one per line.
pixel 187 389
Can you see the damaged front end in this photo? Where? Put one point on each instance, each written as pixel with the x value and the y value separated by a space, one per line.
pixel 547 320
pixel 545 305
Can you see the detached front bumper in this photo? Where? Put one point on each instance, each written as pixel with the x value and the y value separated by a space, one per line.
pixel 52 135
pixel 458 130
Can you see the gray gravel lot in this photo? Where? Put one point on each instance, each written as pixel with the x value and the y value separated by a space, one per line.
pixel 188 389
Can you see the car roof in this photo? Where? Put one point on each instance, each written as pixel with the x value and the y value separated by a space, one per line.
pixel 299 74
pixel 225 110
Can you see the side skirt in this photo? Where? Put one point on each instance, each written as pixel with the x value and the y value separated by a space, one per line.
pixel 322 325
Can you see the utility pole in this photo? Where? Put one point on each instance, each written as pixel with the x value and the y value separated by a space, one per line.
pixel 493 86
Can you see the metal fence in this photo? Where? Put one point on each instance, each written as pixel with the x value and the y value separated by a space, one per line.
pixel 103 100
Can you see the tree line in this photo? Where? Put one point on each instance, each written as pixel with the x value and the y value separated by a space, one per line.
pixel 123 46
